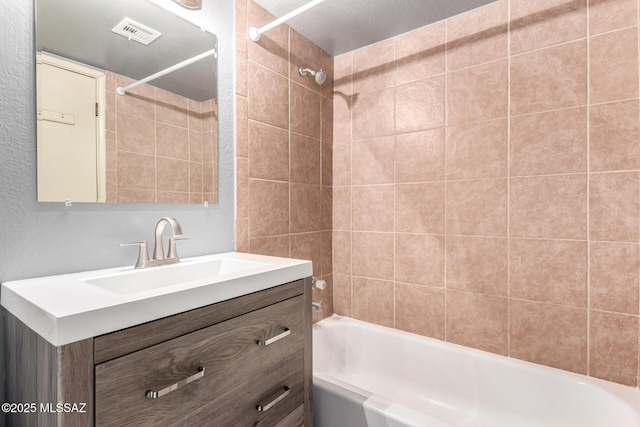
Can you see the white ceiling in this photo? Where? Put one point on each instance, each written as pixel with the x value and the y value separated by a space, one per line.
pixel 340 26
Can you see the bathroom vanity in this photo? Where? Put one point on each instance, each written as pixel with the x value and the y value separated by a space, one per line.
pixel 241 357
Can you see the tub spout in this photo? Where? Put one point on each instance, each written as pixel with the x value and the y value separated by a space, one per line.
pixel 316 306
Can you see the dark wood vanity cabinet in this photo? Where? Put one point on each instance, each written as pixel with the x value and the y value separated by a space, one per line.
pixel 241 362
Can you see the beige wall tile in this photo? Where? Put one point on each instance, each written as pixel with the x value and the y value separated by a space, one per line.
pixel 613 284
pixel 549 79
pixel 240 16
pixel 373 161
pixel 548 206
pixel 548 334
pixel 242 55
pixel 543 23
pixel 305 208
pixel 196 146
pixel 420 310
pixel 326 209
pixel 272 51
pixel 342 117
pixel 341 163
pixel 608 15
pixel 326 132
pixel 614 206
pixel 242 187
pixel 419 208
pixel 477 320
pixel 242 126
pixel 420 105
pixel 308 246
pixel 373 114
pixel 373 301
pixel 268 96
pixel 372 255
pixel 420 53
pixel 272 246
pixel 613 66
pixel 326 240
pixel 135 134
pixel 477 207
pixel 326 163
pixel 477 94
pixel 477 150
pixel 553 271
pixel 135 171
pixel 342 294
pixel 419 259
pixel 306 54
pixel 268 152
pixel 373 67
pixel 341 207
pixel 478 36
pixel 341 252
pixel 549 143
pixel 172 175
pixel 171 109
pixel 419 156
pixel 372 207
pixel 172 141
pixel 614 347
pixel 268 208
pixel 305 114
pixel 477 264
pixel 195 177
pixel 614 136
pixel 305 159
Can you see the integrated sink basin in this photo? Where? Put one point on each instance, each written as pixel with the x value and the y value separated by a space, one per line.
pixel 71 307
pixel 134 281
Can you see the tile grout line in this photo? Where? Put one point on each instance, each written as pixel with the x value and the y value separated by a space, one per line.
pixel 508 178
pixel 637 377
pixel 444 178
pixel 588 34
pixel 395 89
pixel 350 105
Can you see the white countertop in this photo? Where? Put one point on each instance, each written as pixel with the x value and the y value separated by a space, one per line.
pixel 64 308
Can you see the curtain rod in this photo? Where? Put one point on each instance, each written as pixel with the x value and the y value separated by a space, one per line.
pixel 123 90
pixel 255 33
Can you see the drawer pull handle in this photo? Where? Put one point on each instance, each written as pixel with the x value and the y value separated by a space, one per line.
pixel 156 394
pixel 264 408
pixel 286 332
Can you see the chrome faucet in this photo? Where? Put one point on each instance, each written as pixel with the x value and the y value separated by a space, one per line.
pixel 159 256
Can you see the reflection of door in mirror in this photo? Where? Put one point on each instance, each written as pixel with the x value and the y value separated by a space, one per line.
pixel 71 146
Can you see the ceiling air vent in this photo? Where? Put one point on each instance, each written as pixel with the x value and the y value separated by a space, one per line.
pixel 136 31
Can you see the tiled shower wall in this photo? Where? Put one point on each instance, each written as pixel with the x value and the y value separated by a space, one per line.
pixel 283 147
pixel 161 147
pixel 486 183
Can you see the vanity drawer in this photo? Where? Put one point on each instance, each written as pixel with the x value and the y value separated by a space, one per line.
pixel 278 389
pixel 230 354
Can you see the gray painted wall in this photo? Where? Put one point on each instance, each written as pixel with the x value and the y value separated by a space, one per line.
pixel 38 239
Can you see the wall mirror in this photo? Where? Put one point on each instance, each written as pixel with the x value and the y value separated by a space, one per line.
pixel 156 143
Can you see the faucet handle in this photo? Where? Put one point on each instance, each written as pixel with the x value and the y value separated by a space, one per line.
pixel 143 254
pixel 318 283
pixel 172 246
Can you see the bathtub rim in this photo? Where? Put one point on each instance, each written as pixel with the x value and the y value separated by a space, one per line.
pixel 628 395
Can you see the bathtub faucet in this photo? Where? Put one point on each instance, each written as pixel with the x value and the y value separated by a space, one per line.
pixel 316 306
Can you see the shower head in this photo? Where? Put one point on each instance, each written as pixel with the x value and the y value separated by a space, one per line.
pixel 320 75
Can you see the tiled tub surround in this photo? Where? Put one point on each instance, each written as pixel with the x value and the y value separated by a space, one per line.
pixel 161 147
pixel 283 147
pixel 486 183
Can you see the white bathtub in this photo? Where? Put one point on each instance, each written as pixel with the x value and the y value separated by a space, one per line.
pixel 369 375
